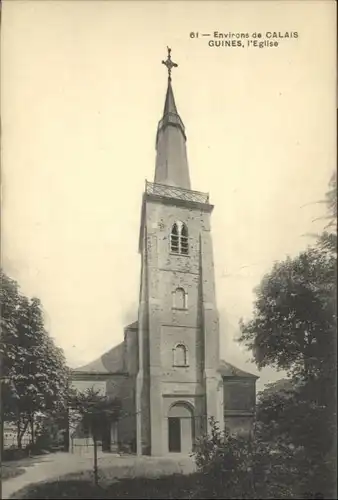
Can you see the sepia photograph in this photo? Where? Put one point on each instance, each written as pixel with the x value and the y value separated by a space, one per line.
pixel 168 249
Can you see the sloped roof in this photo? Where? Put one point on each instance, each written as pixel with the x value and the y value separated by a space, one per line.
pixel 171 167
pixel 170 105
pixel 132 326
pixel 110 362
pixel 228 370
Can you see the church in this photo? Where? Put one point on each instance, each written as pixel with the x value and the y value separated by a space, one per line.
pixel 167 372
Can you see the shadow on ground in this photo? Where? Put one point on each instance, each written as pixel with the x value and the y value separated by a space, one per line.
pixel 175 486
pixel 64 467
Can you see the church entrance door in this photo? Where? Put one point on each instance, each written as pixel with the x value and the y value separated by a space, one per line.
pixel 180 428
pixel 174 434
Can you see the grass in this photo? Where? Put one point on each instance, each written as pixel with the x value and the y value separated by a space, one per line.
pixel 9 471
pixel 176 486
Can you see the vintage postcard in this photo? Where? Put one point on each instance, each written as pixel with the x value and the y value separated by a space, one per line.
pixel 168 249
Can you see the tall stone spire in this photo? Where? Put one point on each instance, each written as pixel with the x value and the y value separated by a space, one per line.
pixel 171 154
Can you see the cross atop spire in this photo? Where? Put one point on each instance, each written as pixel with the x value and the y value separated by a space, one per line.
pixel 169 63
pixel 171 155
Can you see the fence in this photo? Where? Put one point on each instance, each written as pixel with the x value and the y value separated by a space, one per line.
pixel 176 192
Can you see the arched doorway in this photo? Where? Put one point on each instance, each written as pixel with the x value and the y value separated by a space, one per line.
pixel 180 428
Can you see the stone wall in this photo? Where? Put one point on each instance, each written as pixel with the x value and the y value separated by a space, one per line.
pixel 239 396
pixel 239 424
pixel 122 387
pixel 192 323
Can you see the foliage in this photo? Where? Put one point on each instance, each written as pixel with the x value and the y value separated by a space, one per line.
pixel 10 471
pixel 330 201
pixel 175 486
pixel 34 372
pixel 293 327
pixel 52 431
pixel 294 321
pixel 223 464
pixel 241 466
pixel 327 240
pixel 14 454
pixel 93 412
pixel 290 420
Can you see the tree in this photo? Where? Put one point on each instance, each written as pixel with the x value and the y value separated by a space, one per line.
pixel 294 329
pixel 328 239
pixel 93 412
pixel 34 373
pixel 289 421
pixel 294 320
pixel 293 325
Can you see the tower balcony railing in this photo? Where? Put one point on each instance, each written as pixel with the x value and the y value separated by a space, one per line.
pixel 176 192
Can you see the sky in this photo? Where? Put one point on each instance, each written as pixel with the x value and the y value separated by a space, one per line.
pixel 82 90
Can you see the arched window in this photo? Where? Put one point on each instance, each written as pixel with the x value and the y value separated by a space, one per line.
pixel 180 355
pixel 180 299
pixel 179 242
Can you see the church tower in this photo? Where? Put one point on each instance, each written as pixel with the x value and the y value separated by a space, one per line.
pixel 167 372
pixel 178 384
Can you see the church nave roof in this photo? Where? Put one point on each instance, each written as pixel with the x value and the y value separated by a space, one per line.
pixel 110 362
pixel 228 370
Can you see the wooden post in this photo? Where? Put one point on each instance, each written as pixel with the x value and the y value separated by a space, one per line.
pixel 32 429
pixel 96 474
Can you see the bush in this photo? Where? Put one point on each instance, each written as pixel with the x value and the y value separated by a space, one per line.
pixel 61 489
pixel 259 467
pixel 10 471
pixel 167 487
pixel 35 449
pixel 239 466
pixel 13 454
pixel 225 465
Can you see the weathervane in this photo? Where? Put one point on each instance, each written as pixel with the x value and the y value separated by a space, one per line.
pixel 169 63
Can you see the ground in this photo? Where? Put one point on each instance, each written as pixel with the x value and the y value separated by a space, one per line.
pixel 9 471
pixel 111 466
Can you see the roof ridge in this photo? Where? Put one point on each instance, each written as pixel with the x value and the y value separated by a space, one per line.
pixel 230 370
pixel 100 365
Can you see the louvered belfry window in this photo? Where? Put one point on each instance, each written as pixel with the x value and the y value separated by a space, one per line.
pixel 174 239
pixel 184 240
pixel 179 240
